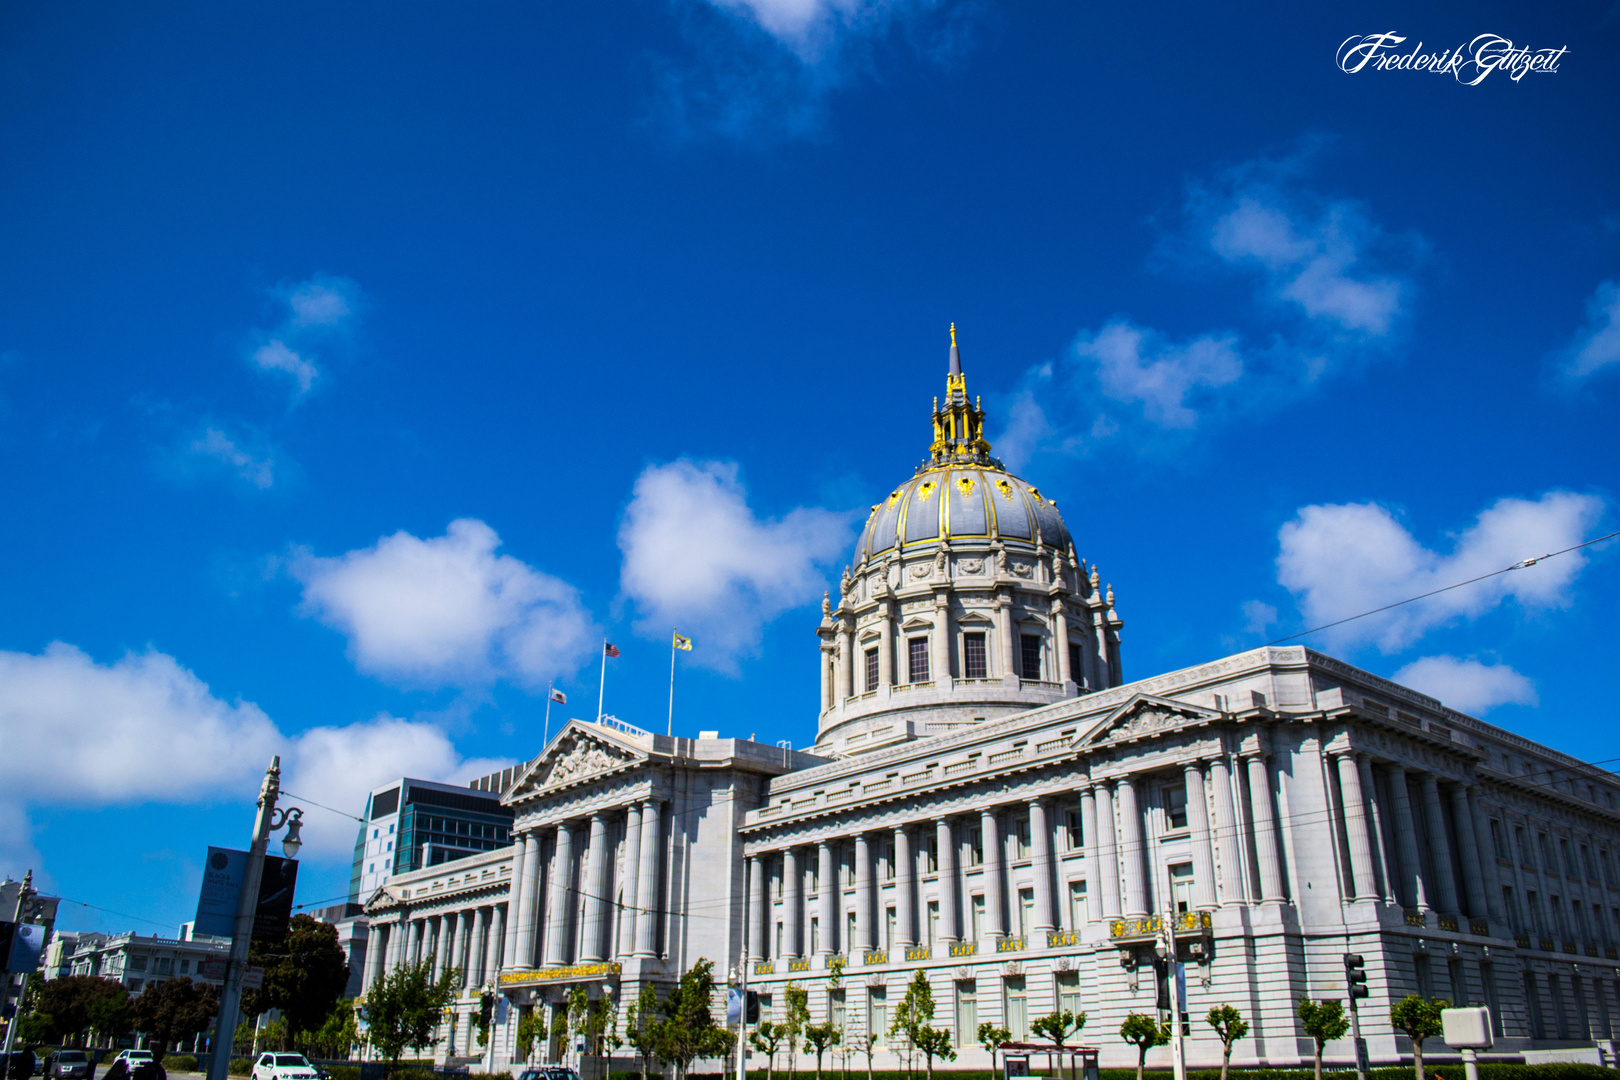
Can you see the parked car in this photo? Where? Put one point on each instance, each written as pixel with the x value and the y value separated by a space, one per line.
pixel 73 1064
pixel 283 1067
pixel 134 1059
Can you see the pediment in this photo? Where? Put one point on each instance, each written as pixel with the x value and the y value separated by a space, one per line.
pixel 975 620
pixel 917 623
pixel 581 752
pixel 1145 715
pixel 381 900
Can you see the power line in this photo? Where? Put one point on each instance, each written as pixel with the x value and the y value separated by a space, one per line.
pixel 322 806
pixel 110 911
pixel 1520 565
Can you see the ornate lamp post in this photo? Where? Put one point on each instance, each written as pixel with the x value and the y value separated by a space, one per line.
pixel 268 821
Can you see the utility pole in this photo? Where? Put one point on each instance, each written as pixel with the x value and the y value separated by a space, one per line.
pixel 742 1016
pixel 1172 967
pixel 1355 981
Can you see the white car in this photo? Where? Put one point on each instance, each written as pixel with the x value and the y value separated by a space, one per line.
pixel 134 1059
pixel 283 1067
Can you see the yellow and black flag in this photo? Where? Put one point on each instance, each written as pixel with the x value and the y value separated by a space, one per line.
pixel 684 643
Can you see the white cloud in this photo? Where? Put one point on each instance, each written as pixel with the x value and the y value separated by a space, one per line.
pixel 274 355
pixel 145 729
pixel 322 301
pixel 1468 685
pixel 696 556
pixel 215 445
pixel 1342 560
pixel 447 610
pixel 1597 346
pixel 1135 365
pixel 1259 616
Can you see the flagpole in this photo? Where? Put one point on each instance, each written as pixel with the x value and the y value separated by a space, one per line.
pixel 547 737
pixel 671 729
pixel 601 686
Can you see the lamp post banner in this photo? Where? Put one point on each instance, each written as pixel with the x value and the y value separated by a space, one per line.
pixel 274 912
pixel 223 871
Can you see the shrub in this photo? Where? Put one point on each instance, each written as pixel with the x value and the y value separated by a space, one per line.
pixel 179 1063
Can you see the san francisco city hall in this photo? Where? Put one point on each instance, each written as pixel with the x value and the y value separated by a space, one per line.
pixel 988 801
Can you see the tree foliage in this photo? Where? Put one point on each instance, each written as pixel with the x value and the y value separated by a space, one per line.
pixel 991 1037
pixel 405 1006
pixel 913 1021
pixel 767 1039
pixel 819 1038
pixel 1323 1021
pixel 1144 1033
pixel 688 1031
pixel 641 1026
pixel 77 1002
pixel 305 974
pixel 173 1011
pixel 796 1020
pixel 1418 1019
pixel 338 1033
pixel 1229 1026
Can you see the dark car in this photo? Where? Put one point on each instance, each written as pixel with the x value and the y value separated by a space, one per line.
pixel 70 1064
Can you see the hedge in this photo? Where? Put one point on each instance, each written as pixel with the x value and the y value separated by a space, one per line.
pixel 1432 1071
pixel 179 1063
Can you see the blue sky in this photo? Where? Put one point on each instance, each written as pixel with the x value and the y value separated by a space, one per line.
pixel 362 367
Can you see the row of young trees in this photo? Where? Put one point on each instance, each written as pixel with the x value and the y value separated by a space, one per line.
pixel 76 1009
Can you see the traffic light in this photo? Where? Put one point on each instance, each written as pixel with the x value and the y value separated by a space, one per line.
pixel 1355 975
pixel 751 1008
pixel 486 1009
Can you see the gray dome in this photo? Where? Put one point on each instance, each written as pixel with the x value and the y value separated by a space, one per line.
pixel 961 502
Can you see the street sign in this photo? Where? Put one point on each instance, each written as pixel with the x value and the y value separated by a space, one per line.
pixel 211 969
pixel 253 978
pixel 26 944
pixel 223 873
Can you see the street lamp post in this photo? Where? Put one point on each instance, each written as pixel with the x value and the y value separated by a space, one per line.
pixel 269 820
pixel 1166 946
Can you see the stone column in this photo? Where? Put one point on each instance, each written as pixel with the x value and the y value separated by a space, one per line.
pixel 846 661
pixel 1107 853
pixel 596 887
pixel 1265 829
pixel 829 676
pixel 1375 823
pixel 443 931
pixel 492 947
pixel 1363 887
pixel 413 943
pixel 905 882
pixel 940 664
pixel 1091 839
pixel 792 903
pixel 1414 888
pixel 475 947
pixel 827 898
pixel 1445 884
pixel 561 897
pixel 533 894
pixel 1060 644
pixel 1134 890
pixel 1040 838
pixel 885 646
pixel 625 936
pixel 1227 837
pixel 949 891
pixel 1487 854
pixel 1004 630
pixel 376 954
pixel 522 850
pixel 994 912
pixel 759 942
pixel 863 893
pixel 462 950
pixel 1198 833
pixel 1468 847
pixel 652 859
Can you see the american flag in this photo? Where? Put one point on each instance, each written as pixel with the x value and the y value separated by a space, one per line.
pixel 609 649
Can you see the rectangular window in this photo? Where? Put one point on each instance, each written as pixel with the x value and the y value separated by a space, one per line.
pixel 871 670
pixel 1511 903
pixel 977 910
pixel 1570 869
pixel 1532 903
pixel 1029 655
pixel 1077 665
pixel 1017 1008
pixel 933 922
pixel 888 928
pixel 1538 1023
pixel 1076 830
pixel 877 1013
pixel 1175 806
pixel 1523 845
pixel 967 1012
pixel 1021 838
pixel 1557 904
pixel 1068 992
pixel 835 1008
pixel 849 928
pixel 1425 982
pixel 1586 859
pixel 849 867
pixel 1026 912
pixel 1459 982
pixel 779 939
pixel 1547 862
pixel 1498 843
pixel 137 963
pixel 973 659
pixel 917 657
pixel 815 935
pixel 975 846
pixel 1078 915
pixel 930 846
pixel 886 860
pixel 1181 887
pixel 1487 979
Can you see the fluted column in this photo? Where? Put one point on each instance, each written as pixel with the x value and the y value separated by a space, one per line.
pixel 846 661
pixel 1198 835
pixel 1445 884
pixel 517 933
pixel 940 638
pixel 829 675
pixel 1377 812
pixel 413 942
pixel 1487 854
pixel 1004 631
pixel 792 903
pixel 949 891
pixel 885 646
pixel 990 834
pixel 759 942
pixel 905 887
pixel 652 858
pixel 376 954
pixel 1107 852
pixel 1227 837
pixel 1363 887
pixel 596 885
pixel 1134 888
pixel 1040 839
pixel 1468 847
pixel 863 893
pixel 826 898
pixel 1060 645
pixel 461 950
pixel 496 938
pixel 476 947
pixel 1265 829
pixel 1414 888
pixel 1091 839
pixel 561 897
pixel 625 936
pixel 441 944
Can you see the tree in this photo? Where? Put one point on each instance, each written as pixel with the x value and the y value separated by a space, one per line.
pixel 1230 1026
pixel 1419 1020
pixel 338 1035
pixel 867 1044
pixel 405 1006
pixel 818 1038
pixel 767 1039
pixel 796 1020
pixel 641 1026
pixel 688 1031
pixel 1144 1033
pixel 935 1043
pixel 68 1002
pixel 531 1029
pixel 991 1037
pixel 1056 1028
pixel 913 1017
pixel 173 1011
pixel 111 1017
pixel 1323 1021
pixel 305 974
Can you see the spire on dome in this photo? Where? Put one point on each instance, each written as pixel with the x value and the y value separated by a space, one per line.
pixel 959 426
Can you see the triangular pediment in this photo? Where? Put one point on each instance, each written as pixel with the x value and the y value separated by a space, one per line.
pixel 381 900
pixel 1142 716
pixel 581 751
